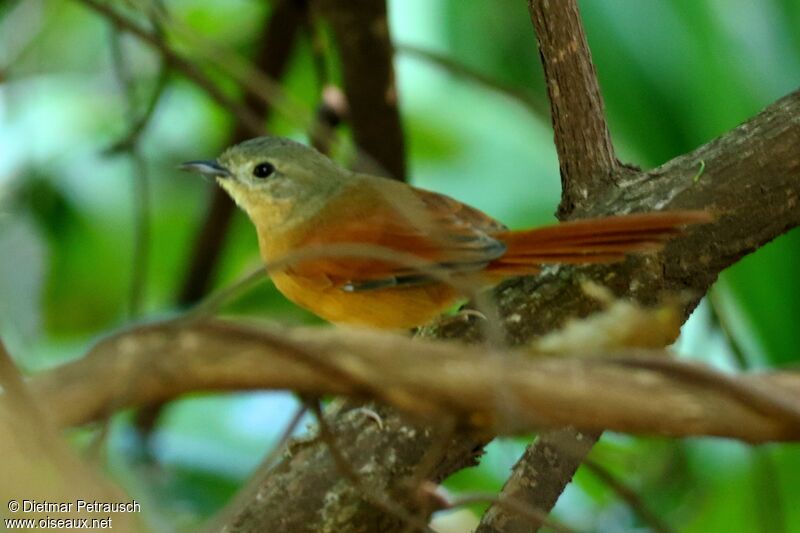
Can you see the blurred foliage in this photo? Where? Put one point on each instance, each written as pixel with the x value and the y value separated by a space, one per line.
pixel 674 73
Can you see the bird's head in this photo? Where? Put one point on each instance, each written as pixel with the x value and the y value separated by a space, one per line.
pixel 273 178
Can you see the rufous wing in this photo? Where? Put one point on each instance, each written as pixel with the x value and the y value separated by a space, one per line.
pixel 402 236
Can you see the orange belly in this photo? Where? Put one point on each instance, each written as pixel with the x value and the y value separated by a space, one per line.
pixel 394 308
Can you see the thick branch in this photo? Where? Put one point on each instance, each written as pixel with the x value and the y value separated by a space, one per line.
pixel 585 153
pixel 750 181
pixel 361 29
pixel 749 177
pixel 637 391
pixel 588 167
pixel 761 163
pixel 758 156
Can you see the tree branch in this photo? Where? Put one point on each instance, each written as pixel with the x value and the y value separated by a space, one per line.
pixel 556 454
pixel 629 496
pixel 640 391
pixel 560 31
pixel 534 103
pixel 361 29
pixel 38 460
pixel 585 152
pixel 757 156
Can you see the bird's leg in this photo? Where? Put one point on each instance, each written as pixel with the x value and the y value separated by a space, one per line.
pixel 462 315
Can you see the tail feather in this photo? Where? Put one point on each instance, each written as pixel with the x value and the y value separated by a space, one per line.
pixel 591 241
pixel 588 229
pixel 596 249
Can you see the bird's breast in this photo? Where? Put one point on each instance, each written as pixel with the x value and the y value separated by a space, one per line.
pixel 392 308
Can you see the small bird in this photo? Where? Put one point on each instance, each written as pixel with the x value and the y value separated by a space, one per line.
pixel 298 199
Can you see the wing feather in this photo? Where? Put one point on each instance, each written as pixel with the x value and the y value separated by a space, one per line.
pixel 445 234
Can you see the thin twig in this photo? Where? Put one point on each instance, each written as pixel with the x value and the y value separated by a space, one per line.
pixel 629 496
pixel 466 287
pixel 219 520
pixel 136 130
pixel 181 64
pixel 528 100
pixel 284 437
pixel 340 250
pixel 139 178
pixel 15 388
pixel 214 302
pixel 721 324
pixel 766 493
pixel 141 237
pixel 423 470
pixel 534 516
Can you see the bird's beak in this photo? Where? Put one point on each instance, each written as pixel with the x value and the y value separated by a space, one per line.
pixel 207 168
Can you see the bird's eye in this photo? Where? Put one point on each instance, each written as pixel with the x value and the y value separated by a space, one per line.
pixel 263 170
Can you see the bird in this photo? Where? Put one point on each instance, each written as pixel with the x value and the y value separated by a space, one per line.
pixel 399 256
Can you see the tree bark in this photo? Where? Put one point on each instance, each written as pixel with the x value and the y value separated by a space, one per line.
pixel 585 151
pixel 591 185
pixel 749 177
pixel 751 182
pixel 624 388
pixel 556 454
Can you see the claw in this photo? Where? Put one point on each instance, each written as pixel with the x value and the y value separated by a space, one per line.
pixel 466 313
pixel 372 415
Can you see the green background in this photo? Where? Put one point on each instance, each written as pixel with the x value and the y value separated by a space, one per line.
pixel 674 73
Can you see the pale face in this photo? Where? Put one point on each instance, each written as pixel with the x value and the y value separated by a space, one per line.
pixel 274 180
pixel 258 180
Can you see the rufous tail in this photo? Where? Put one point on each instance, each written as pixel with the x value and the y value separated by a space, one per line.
pixel 589 241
